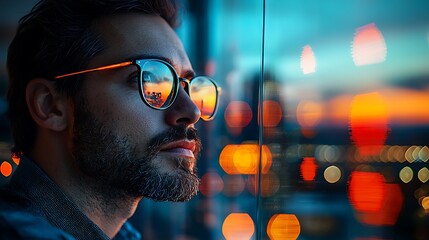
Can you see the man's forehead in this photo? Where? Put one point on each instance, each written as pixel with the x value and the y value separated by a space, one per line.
pixel 132 36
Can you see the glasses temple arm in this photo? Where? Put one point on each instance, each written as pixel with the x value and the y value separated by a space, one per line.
pixel 118 65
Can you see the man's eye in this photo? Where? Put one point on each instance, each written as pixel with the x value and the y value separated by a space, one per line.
pixel 133 77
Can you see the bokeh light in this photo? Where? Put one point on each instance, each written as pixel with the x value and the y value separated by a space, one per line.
pixel 423 175
pixel 332 174
pixel 272 113
pixel 309 113
pixel 238 226
pixel 366 190
pixel 368 46
pixel 226 159
pixel 308 60
pixel 425 203
pixel 328 153
pixel 6 169
pixel 244 159
pixel 211 184
pixel 410 155
pixel 406 174
pixel 424 154
pixel 391 206
pixel 238 114
pixel 283 226
pixel 308 168
pixel 368 123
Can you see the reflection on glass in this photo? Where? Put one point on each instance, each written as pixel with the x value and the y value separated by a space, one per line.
pixel 204 94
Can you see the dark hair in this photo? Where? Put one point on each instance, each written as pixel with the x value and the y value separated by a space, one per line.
pixel 56 37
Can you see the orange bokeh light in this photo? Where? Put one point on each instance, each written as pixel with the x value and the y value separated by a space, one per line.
pixel 309 113
pixel 283 226
pixel 238 114
pixel 368 46
pixel 389 211
pixel 308 168
pixel 368 123
pixel 244 159
pixel 272 113
pixel 403 106
pixel 308 60
pixel 211 184
pixel 367 191
pixel 238 226
pixel 6 169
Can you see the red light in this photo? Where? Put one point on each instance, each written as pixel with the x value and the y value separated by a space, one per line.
pixel 389 211
pixel 272 113
pixel 238 114
pixel 367 191
pixel 211 184
pixel 368 123
pixel 308 168
pixel 6 169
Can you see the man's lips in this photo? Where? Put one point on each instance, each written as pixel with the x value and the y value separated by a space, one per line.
pixel 183 147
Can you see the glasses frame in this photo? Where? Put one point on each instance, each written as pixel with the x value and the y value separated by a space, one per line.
pixel 140 64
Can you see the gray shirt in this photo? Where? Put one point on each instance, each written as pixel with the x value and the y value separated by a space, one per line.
pixel 32 206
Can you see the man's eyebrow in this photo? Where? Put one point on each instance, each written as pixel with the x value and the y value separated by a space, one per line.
pixel 147 56
pixel 186 74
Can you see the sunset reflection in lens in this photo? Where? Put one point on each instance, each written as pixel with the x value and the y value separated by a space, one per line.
pixel 203 93
pixel 157 82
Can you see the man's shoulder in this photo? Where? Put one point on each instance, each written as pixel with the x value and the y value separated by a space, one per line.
pixel 23 225
pixel 21 219
pixel 14 200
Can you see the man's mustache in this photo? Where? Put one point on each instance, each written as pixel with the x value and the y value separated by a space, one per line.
pixel 172 135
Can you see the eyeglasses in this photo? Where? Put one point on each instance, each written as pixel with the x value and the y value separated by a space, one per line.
pixel 159 85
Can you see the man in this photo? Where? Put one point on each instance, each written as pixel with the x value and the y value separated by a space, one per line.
pixel 103 102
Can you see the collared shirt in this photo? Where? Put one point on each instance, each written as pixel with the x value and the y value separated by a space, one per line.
pixel 32 206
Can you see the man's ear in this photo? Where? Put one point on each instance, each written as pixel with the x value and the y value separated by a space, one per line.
pixel 46 106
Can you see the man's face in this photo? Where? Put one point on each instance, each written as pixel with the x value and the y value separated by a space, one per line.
pixel 119 141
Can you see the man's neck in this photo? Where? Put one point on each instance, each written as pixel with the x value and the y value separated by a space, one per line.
pixel 105 206
pixel 108 208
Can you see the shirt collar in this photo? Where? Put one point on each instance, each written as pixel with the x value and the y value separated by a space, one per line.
pixel 59 209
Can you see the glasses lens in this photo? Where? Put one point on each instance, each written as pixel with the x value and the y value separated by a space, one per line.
pixel 157 84
pixel 203 93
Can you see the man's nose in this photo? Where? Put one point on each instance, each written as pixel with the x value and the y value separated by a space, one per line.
pixel 183 111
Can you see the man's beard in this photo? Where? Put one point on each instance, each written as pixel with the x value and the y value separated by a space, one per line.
pixel 118 170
